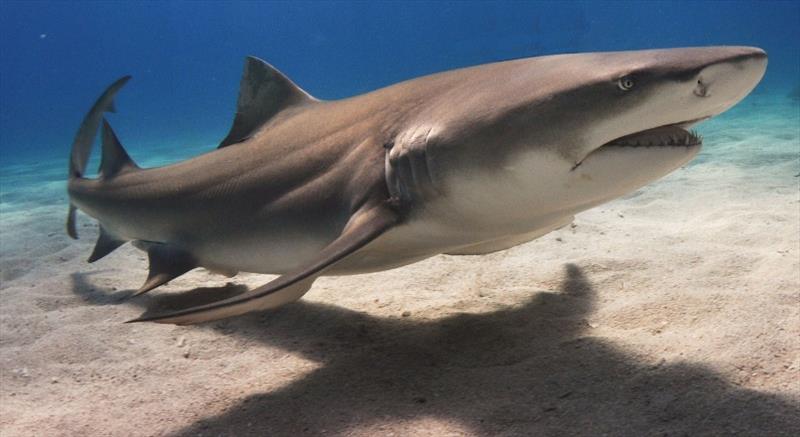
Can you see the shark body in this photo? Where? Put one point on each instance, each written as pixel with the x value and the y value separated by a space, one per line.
pixel 469 161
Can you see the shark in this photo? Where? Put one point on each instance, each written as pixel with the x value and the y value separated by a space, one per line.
pixel 464 162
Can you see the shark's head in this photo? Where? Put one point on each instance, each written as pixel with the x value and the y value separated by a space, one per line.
pixel 554 135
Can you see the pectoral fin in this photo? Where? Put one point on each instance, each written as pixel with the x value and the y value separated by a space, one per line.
pixel 364 226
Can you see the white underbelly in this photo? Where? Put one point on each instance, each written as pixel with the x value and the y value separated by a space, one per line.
pixel 439 228
pixel 420 239
pixel 268 252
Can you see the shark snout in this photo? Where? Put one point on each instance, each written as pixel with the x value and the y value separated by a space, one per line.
pixel 687 86
pixel 728 78
pixel 701 90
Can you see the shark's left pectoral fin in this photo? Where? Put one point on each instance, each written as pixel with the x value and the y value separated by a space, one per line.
pixel 363 227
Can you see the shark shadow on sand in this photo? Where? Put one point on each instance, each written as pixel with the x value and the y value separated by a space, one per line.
pixel 532 369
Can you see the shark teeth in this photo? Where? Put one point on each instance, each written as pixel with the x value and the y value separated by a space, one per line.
pixel 664 136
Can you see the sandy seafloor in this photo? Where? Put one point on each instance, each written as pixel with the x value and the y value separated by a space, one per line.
pixel 672 311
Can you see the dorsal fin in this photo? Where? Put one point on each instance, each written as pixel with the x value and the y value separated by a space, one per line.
pixel 106 243
pixel 115 159
pixel 263 92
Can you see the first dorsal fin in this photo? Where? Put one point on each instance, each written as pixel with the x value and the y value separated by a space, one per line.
pixel 264 91
pixel 115 159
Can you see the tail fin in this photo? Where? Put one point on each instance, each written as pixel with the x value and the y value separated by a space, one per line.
pixel 115 160
pixel 84 138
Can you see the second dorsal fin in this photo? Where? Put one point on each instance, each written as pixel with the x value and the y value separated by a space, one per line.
pixel 114 159
pixel 264 91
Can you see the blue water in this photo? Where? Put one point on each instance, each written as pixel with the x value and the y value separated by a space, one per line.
pixel 677 312
pixel 186 57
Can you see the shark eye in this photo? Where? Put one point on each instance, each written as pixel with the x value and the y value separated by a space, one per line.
pixel 625 83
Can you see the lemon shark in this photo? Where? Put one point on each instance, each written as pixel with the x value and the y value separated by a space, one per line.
pixel 463 162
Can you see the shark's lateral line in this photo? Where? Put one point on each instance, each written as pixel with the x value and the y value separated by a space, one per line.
pixel 468 161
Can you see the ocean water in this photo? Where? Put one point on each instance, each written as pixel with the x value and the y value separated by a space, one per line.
pixel 672 310
pixel 186 58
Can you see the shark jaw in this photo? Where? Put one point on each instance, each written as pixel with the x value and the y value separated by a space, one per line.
pixel 676 135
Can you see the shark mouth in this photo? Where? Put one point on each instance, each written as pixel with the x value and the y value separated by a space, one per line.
pixel 664 136
pixel 673 135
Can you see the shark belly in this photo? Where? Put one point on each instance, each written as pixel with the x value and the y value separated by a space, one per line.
pixel 270 251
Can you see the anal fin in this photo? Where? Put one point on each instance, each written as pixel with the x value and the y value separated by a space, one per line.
pixel 166 264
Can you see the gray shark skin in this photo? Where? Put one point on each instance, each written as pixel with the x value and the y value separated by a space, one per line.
pixel 464 162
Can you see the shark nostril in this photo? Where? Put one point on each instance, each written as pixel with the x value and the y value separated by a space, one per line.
pixel 701 90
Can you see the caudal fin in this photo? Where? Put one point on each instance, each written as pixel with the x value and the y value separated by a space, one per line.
pixel 115 160
pixel 84 138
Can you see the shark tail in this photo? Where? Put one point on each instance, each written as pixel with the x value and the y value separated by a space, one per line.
pixel 84 139
pixel 114 160
pixel 166 263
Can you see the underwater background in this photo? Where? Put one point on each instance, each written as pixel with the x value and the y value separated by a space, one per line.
pixel 186 57
pixel 670 311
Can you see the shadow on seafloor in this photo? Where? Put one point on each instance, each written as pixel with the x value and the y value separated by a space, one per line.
pixel 531 369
